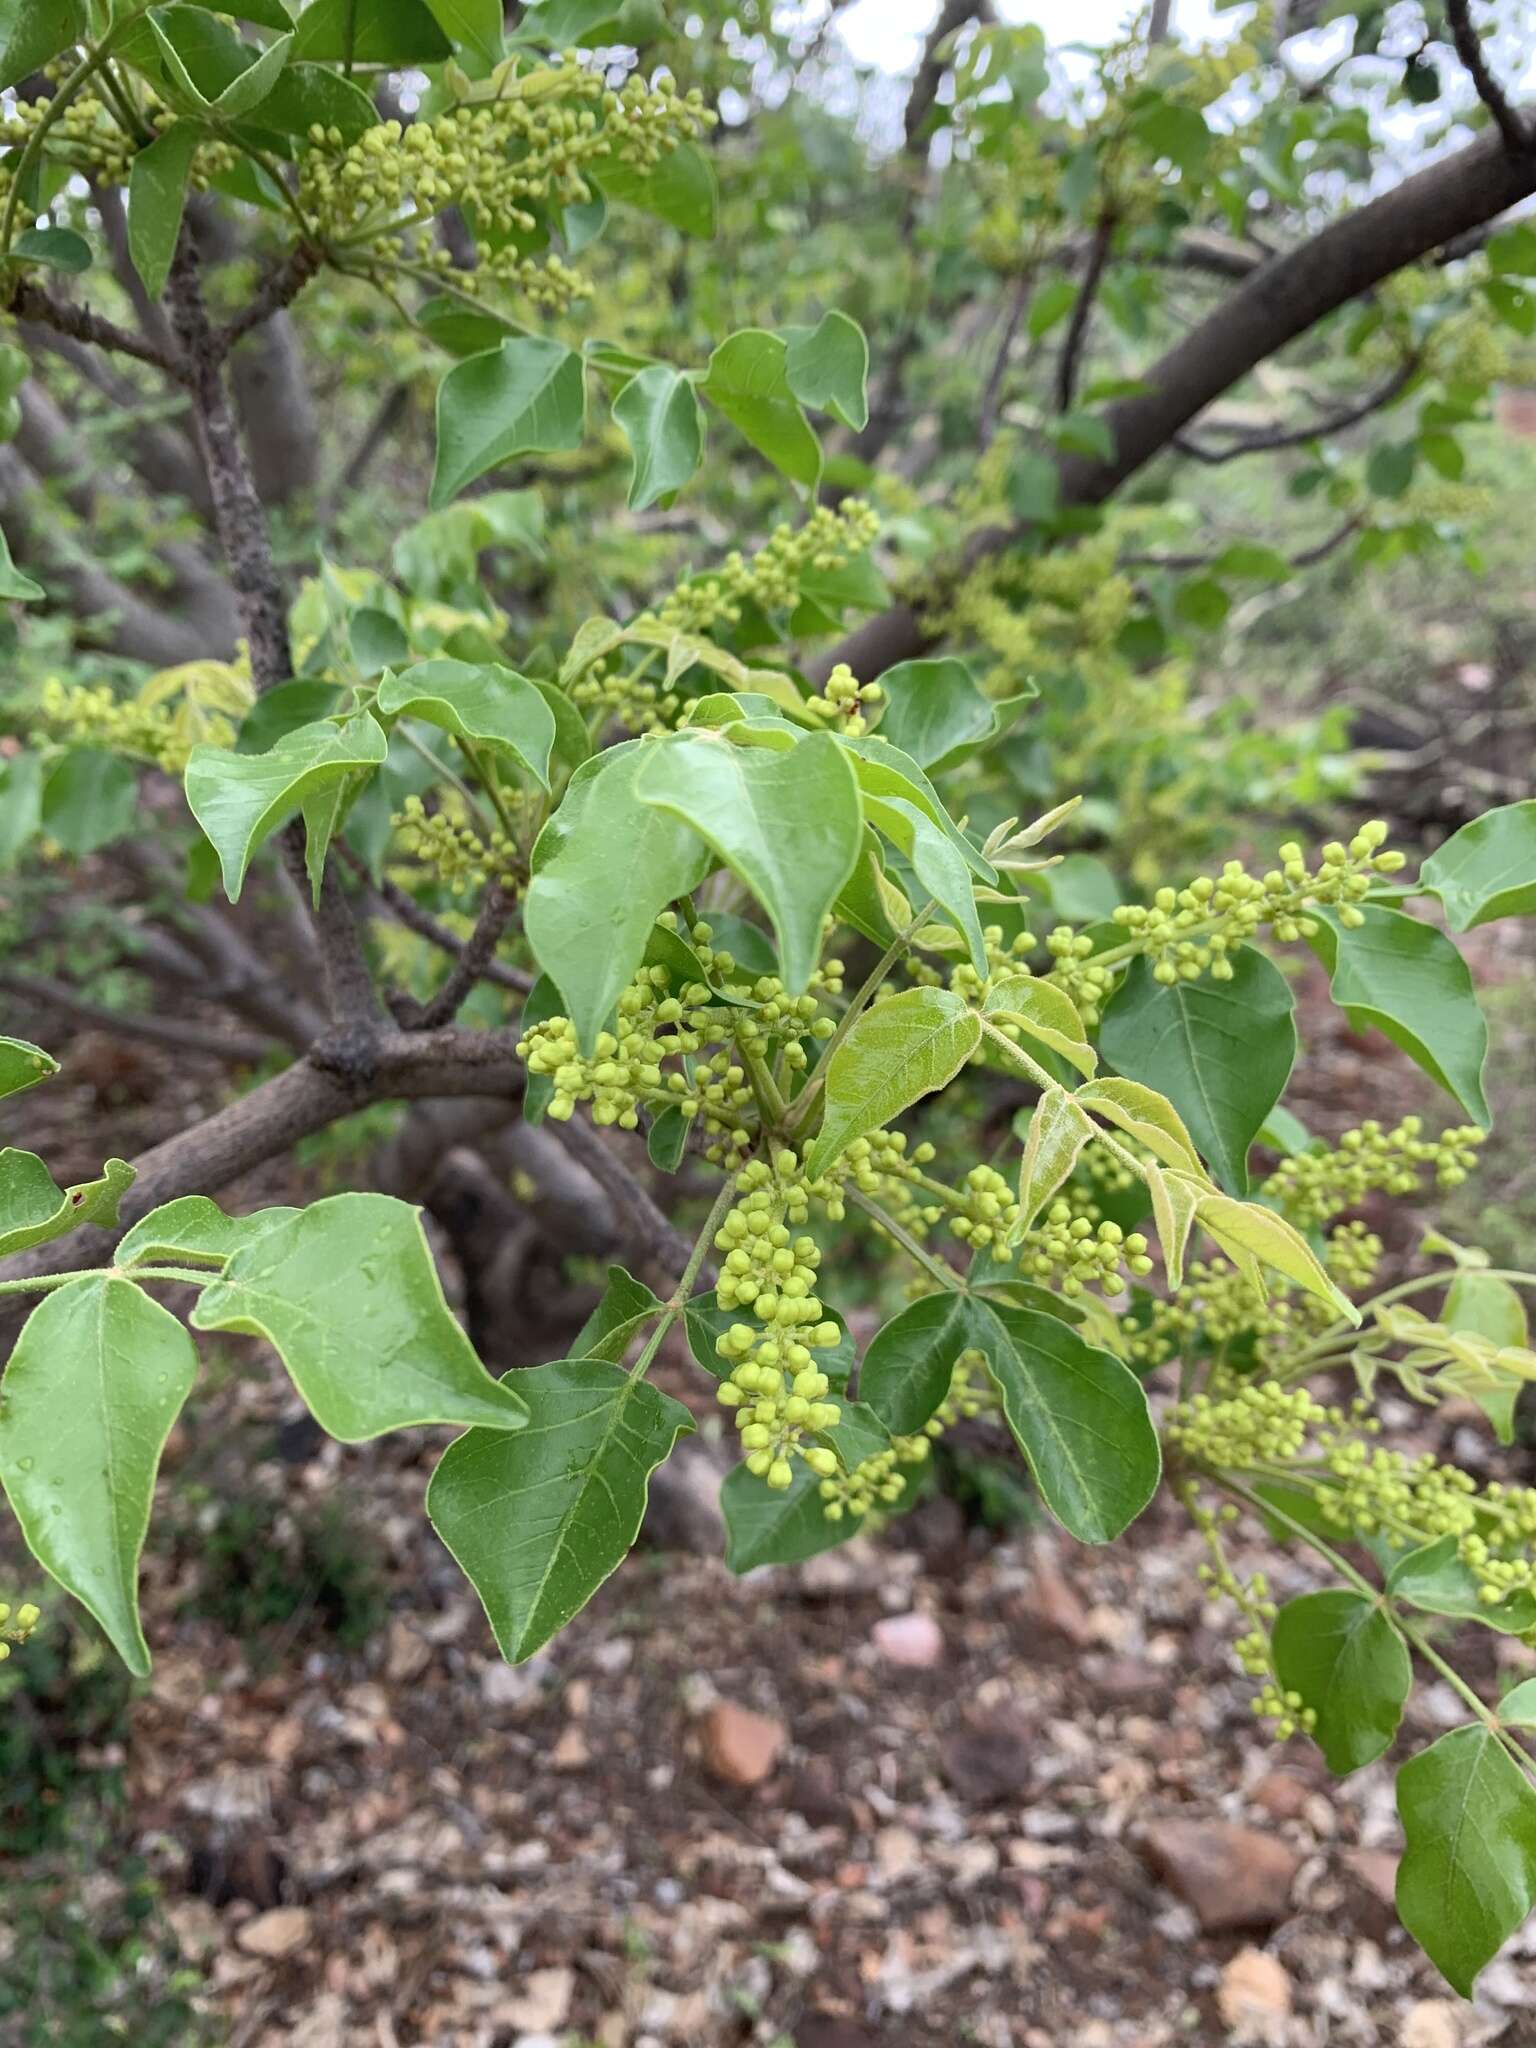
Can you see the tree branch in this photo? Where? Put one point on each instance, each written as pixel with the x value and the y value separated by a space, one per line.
pixel 233 1046
pixel 1307 558
pixel 29 301
pixel 1082 312
pixel 279 288
pixel 650 1232
pixel 992 392
pixel 1270 438
pixel 474 957
pixel 404 909
pixel 1469 48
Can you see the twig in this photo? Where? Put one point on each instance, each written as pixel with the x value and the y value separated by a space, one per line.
pixel 222 1045
pixel 407 911
pixel 1306 559
pixel 1469 48
pixel 279 288
pixel 992 393
pixel 474 957
pixel 1295 437
pixel 29 301
pixel 652 1235
pixel 1082 311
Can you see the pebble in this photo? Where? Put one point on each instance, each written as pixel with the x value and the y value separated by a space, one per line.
pixel 740 1746
pixel 913 1640
pixel 1233 1876
pixel 1254 1996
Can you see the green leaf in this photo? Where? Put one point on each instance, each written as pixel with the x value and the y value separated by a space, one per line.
pixel 157 194
pixel 747 382
pixel 1079 1416
pixel 371 32
pixel 897 1052
pixel 827 367
pixel 485 704
pixel 240 799
pixel 33 1210
pixel 1517 1709
pixel 1340 1652
pixel 96 1380
pixel 1034 488
pixel 563 24
pixel 1045 1013
pixel 193 1227
pixel 475 25
pixel 1408 980
pixel 34 32
pixel 588 916
pixel 308 95
pixel 910 1362
pixel 1468 1874
pixel 1246 1231
pixel 1487 870
pixel 347 1294
pixel 1168 128
pixel 937 863
pixel 625 1309
pixel 1145 1115
pixel 680 189
pixel 1175 1204
pixel 537 1520
pixel 788 824
pixel 667 1139
pixel 934 712
pixel 1436 1580
pixel 1058 1131
pixel 90 798
pixel 1221 1051
pixel 1389 468
pixel 885 771
pixel 55 248
pixel 705 1322
pixel 23 1065
pixel 14 585
pixel 527 396
pixel 661 419
pixel 763 1526
pixel 1049 306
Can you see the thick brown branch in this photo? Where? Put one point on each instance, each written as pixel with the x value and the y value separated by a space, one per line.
pixel 1469 48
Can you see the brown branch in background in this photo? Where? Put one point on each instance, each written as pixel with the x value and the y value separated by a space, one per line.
pixel 404 909
pixel 992 393
pixel 1082 313
pixel 650 1232
pixel 29 301
pixel 474 957
pixel 386 418
pixel 1307 558
pixel 1265 439
pixel 279 288
pixel 234 1046
pixel 931 66
pixel 1469 48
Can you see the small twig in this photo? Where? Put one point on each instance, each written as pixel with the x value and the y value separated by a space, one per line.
pixel 1295 437
pixel 992 394
pixel 222 1045
pixel 1469 48
pixel 1306 559
pixel 474 957
pixel 29 301
pixel 652 1235
pixel 1082 310
pixel 407 911
pixel 279 288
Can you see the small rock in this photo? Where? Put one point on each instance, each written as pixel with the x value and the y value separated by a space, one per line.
pixel 570 1752
pixel 1281 1794
pixel 1254 1996
pixel 541 2001
pixel 914 1640
pixel 988 1759
pixel 1232 1876
pixel 1372 1875
pixel 897 1851
pixel 276 1933
pixel 1124 1680
pixel 1432 2023
pixel 741 1747
pixel 1052 1602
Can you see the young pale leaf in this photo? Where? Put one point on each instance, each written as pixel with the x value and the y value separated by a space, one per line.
pixel 661 418
pixel 157 193
pixel 1246 1230
pixel 1517 1709
pixel 34 1211
pixel 240 799
pixel 527 396
pixel 369 32
pixel 746 381
pixel 1486 870
pixel 1437 1581
pixel 1058 1131
pixel 909 1363
pixel 1046 1013
pixel 1408 980
pixel 827 368
pixel 1340 1652
pixel 537 1520
pixel 788 824
pixel 1079 1416
pixel 347 1294
pixel 1145 1115
pixel 33 32
pixel 95 1382
pixel 934 712
pixel 90 798
pixel 1175 1204
pixel 763 1526
pixel 193 1227
pixel 897 1052
pixel 588 915
pixel 16 587
pixel 885 771
pixel 23 1065
pixel 680 189
pixel 1468 1874
pixel 626 1307
pixel 483 703
pixel 938 865
pixel 1221 1051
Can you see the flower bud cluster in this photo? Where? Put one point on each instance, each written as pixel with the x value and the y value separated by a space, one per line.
pixel 1314 1187
pixel 841 704
pixel 93 715
pixel 775 1389
pixel 86 136
pixel 16 1625
pixel 460 857
pixel 1064 1248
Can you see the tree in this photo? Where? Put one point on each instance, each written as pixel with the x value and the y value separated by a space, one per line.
pixel 656 831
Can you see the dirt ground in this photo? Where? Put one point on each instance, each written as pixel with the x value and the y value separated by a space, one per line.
pixel 956 1786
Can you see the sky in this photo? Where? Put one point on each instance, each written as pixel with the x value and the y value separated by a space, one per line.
pixel 890 32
